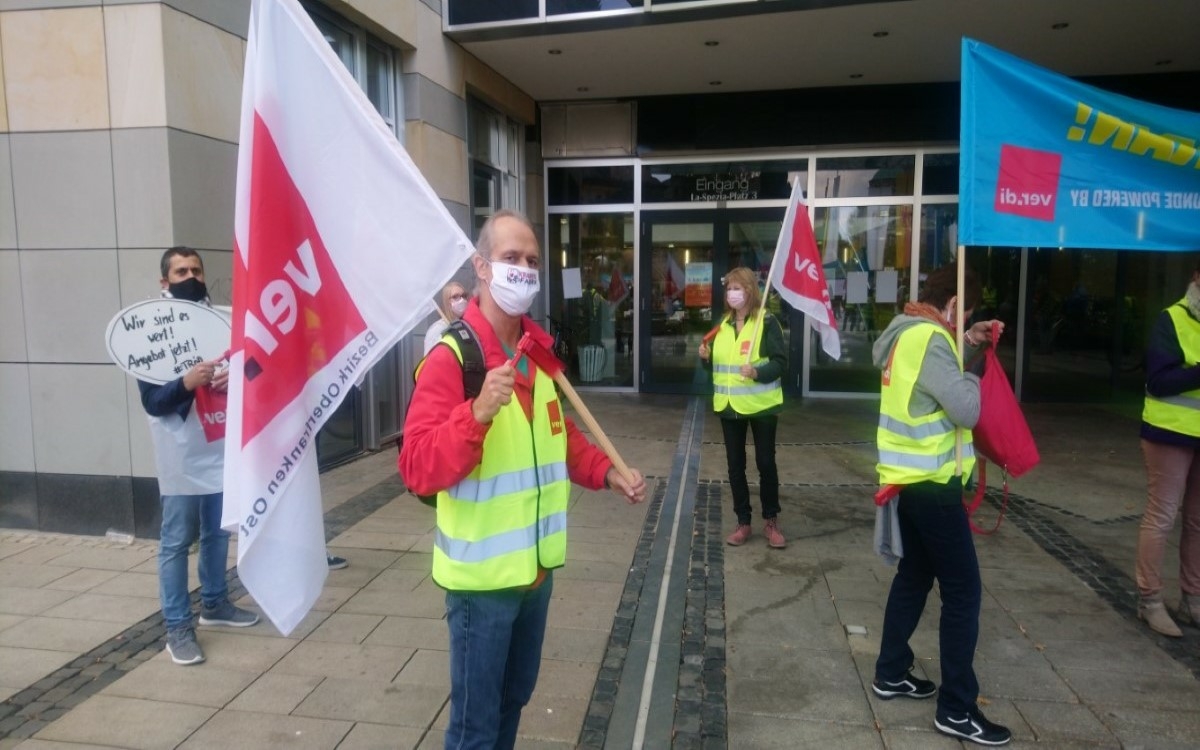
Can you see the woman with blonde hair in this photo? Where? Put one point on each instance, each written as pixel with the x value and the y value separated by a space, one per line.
pixel 748 363
pixel 453 304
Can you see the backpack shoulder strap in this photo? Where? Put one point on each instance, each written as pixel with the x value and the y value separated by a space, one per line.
pixel 473 366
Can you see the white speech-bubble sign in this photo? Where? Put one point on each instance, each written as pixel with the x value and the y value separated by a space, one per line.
pixel 158 340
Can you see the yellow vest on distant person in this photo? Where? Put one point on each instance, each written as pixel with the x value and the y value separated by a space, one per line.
pixel 915 449
pixel 1179 413
pixel 729 351
pixel 508 517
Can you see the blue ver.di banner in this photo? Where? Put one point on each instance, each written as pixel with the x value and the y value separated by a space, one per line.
pixel 1047 161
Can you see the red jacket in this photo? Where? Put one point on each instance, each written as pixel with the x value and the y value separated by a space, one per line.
pixel 442 440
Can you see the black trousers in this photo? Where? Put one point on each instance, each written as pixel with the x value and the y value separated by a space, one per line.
pixel 763 429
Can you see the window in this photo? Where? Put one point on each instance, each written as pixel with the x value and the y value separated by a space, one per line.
pixel 374 413
pixel 865 176
pixel 721 181
pixel 495 147
pixel 369 60
pixel 581 186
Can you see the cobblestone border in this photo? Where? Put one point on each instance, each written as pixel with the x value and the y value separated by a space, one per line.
pixel 1109 582
pixel 604 692
pixel 700 700
pixel 25 713
pixel 75 540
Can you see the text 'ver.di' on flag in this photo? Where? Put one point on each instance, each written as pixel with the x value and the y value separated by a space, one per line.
pixel 339 243
pixel 797 273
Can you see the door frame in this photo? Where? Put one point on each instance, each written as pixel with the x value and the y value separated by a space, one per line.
pixel 721 219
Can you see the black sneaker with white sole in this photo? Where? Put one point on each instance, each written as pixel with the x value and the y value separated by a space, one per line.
pixel 908 686
pixel 972 726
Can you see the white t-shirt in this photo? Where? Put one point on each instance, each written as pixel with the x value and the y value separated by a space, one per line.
pixel 434 334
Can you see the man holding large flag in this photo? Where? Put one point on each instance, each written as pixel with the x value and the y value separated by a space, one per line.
pixel 501 465
pixel 339 243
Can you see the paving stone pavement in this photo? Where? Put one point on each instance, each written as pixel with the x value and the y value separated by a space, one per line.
pixel 659 634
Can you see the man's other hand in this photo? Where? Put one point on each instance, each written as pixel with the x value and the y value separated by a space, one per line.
pixel 496 393
pixel 633 492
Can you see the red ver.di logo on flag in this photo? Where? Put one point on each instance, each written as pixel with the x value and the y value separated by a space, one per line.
pixel 298 315
pixel 1028 182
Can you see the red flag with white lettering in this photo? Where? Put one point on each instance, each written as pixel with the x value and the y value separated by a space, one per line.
pixel 797 273
pixel 339 243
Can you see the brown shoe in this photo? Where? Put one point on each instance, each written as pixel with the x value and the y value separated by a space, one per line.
pixel 773 534
pixel 739 535
pixel 1189 610
pixel 1155 615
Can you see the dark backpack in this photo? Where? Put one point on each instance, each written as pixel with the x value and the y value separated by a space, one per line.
pixel 474 370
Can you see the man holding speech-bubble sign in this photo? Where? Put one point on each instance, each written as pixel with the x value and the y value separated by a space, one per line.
pixel 187 425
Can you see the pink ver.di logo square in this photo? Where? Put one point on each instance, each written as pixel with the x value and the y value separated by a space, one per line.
pixel 1028 182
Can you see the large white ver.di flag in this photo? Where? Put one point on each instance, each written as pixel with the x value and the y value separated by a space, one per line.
pixel 797 273
pixel 339 244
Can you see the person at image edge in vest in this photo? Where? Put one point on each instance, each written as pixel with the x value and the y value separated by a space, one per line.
pixel 501 465
pixel 1171 446
pixel 190 480
pixel 925 396
pixel 748 396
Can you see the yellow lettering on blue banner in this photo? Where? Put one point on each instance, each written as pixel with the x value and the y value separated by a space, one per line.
pixel 1100 128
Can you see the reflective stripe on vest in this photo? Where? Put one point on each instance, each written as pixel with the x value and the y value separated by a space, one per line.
pixel 730 389
pixel 1179 413
pixel 507 518
pixel 502 543
pixel 915 449
pixel 476 490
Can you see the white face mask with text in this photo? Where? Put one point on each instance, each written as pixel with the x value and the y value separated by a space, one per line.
pixel 513 287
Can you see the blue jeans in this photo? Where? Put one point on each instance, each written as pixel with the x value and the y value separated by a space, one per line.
pixel 495 651
pixel 937 545
pixel 183 517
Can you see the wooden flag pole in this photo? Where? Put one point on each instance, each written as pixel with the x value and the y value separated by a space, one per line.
pixel 958 346
pixel 762 310
pixel 553 367
pixel 594 427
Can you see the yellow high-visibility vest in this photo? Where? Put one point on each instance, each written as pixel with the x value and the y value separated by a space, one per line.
pixel 744 396
pixel 497 525
pixel 915 449
pixel 1179 413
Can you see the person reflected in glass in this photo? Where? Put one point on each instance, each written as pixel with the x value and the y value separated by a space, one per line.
pixel 747 364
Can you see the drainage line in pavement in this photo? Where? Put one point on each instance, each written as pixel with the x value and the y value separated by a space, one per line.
pixel 639 734
pixel 622 688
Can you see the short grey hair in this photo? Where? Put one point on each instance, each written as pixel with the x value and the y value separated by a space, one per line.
pixel 483 245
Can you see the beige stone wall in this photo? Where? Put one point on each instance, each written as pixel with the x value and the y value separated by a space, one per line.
pixel 118 128
pixel 118 131
pixel 54 69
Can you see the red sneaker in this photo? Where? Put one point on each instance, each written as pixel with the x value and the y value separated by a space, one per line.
pixel 773 534
pixel 739 535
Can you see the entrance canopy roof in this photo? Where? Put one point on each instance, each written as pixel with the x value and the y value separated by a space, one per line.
pixel 797 44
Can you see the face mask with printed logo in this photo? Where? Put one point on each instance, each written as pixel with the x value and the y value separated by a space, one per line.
pixel 513 287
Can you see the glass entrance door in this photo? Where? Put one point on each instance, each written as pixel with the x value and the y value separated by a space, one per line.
pixel 683 256
pixel 677 301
